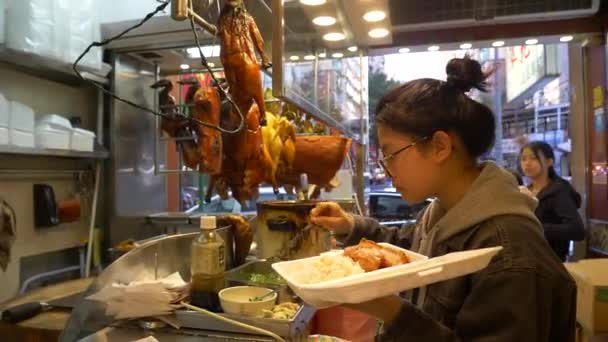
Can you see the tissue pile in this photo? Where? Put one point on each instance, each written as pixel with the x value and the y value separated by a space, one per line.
pixel 145 298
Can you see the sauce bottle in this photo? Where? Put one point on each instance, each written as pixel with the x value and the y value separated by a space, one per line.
pixel 207 267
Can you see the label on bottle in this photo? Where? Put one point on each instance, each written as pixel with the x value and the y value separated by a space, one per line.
pixel 210 261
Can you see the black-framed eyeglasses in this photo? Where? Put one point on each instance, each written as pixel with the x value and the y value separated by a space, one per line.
pixel 386 159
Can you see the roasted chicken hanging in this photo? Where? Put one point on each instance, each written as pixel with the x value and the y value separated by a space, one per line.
pixel 206 104
pixel 176 125
pixel 239 39
pixel 246 162
pixel 239 162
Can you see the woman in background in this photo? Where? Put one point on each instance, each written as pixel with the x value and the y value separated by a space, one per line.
pixel 558 202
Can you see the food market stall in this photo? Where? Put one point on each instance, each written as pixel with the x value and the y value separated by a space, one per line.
pixel 203 123
pixel 192 141
pixel 218 126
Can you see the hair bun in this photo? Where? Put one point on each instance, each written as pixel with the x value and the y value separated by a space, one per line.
pixel 465 74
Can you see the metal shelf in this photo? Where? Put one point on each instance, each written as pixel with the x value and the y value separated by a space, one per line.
pixel 98 153
pixel 47 68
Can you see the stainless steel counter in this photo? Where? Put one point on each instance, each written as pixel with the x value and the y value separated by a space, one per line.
pixel 129 334
pixel 161 258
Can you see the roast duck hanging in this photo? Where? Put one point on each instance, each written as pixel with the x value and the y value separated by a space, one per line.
pixel 267 148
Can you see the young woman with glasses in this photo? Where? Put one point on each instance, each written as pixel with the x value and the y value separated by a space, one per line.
pixel 432 135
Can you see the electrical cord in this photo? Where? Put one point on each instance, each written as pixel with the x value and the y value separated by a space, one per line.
pixel 159 8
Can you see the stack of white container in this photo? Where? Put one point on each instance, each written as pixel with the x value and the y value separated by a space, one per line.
pixel 21 124
pixel 2 21
pixel 16 123
pixel 56 132
pixel 18 127
pixel 59 29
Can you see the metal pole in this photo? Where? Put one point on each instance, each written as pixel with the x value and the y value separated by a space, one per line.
pixel 100 117
pixel 315 88
pixel 93 215
pixel 157 133
pixel 498 89
pixel 535 116
pixel 359 180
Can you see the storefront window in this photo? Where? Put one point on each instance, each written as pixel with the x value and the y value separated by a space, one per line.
pixel 529 94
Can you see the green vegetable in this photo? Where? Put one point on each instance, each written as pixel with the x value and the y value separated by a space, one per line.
pixel 266 278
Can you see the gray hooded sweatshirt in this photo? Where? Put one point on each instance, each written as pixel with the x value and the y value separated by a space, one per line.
pixel 493 212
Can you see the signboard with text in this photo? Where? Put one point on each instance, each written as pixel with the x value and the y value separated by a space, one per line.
pixel 526 65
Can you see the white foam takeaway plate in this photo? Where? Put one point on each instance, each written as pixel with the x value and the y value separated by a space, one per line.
pixel 367 286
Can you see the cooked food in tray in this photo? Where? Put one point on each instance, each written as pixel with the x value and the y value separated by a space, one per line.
pixel 330 267
pixel 371 256
pixel 367 256
pixel 285 311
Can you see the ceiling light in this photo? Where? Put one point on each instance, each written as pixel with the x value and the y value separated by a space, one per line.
pixel 374 16
pixel 313 2
pixel 466 46
pixel 334 36
pixel 324 21
pixel 433 48
pixel 210 64
pixel 184 66
pixel 498 43
pixel 309 57
pixel 353 49
pixel 338 55
pixel 322 55
pixel 404 50
pixel 531 41
pixel 294 58
pixel 566 39
pixel 208 51
pixel 378 33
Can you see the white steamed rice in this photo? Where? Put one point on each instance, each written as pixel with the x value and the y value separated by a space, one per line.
pixel 330 267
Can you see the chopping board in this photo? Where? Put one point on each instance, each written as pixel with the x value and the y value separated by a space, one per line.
pixel 47 326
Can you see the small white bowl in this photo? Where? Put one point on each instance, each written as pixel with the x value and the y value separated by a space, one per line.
pixel 236 300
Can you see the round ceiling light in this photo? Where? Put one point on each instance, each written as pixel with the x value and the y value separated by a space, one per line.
pixel 433 48
pixel 566 39
pixel 184 67
pixel 404 50
pixel 374 16
pixel 322 55
pixel 466 46
pixel 313 2
pixel 338 55
pixel 498 43
pixel 211 65
pixel 378 33
pixel 334 36
pixel 309 57
pixel 294 58
pixel 324 21
pixel 531 41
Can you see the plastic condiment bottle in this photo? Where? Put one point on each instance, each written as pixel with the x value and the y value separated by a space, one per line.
pixel 208 266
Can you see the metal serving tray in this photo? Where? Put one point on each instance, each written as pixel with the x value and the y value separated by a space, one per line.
pixel 296 329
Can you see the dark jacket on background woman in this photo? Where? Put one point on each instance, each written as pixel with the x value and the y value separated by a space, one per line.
pixel 557 210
